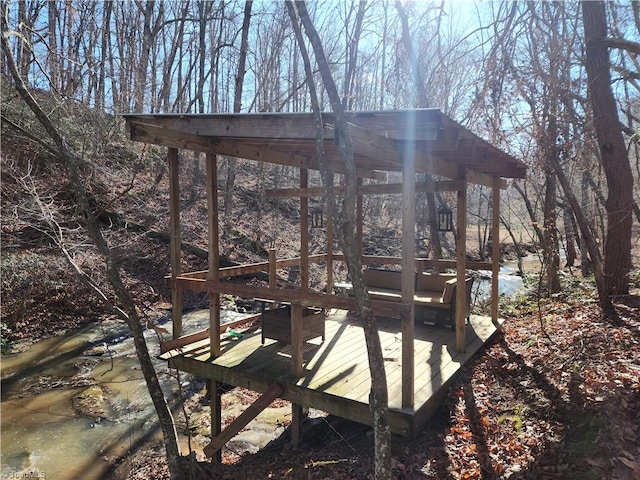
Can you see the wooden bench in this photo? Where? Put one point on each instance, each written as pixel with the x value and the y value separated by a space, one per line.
pixel 434 296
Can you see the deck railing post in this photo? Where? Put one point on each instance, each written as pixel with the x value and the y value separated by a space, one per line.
pixel 495 249
pixel 304 231
pixel 359 219
pixel 461 265
pixel 216 414
pixel 213 242
pixel 408 276
pixel 273 275
pixel 330 240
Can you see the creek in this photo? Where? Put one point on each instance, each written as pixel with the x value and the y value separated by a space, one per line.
pixel 74 405
pixel 510 281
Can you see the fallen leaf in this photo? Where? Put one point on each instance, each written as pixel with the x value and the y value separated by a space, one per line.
pixel 635 466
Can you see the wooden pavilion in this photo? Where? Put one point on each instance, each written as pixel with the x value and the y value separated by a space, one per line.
pixel 332 375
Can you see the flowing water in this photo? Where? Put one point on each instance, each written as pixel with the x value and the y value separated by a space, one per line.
pixel 72 405
pixel 510 281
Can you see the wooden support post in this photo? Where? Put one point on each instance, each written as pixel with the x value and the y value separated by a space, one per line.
pixel 461 266
pixel 216 415
pixel 242 421
pixel 408 276
pixel 296 368
pixel 359 219
pixel 330 240
pixel 304 232
pixel 176 243
pixel 213 242
pixel 273 276
pixel 297 416
pixel 296 340
pixel 495 249
pixel 297 351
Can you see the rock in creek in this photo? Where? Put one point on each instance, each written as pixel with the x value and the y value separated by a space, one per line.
pixel 93 402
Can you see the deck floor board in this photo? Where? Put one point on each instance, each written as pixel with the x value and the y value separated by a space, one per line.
pixel 336 375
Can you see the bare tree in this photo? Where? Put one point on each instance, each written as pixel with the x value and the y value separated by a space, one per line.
pixel 422 101
pixel 126 310
pixel 617 169
pixel 237 106
pixel 345 227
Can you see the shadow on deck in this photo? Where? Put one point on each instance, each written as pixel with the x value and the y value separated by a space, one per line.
pixel 336 376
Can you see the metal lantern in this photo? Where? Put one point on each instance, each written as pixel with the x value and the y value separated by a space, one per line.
pixel 445 219
pixel 317 218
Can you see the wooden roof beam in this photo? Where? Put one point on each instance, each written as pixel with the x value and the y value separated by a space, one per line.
pixel 235 148
pixel 484 179
pixel 374 189
pixel 272 125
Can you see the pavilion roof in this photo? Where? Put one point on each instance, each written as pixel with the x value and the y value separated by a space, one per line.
pixel 380 141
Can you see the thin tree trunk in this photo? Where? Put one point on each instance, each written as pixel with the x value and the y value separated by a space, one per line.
pixel 550 233
pixel 204 10
pixel 345 223
pixel 151 28
pixel 617 169
pixel 128 311
pixel 570 237
pixel 516 243
pixel 585 261
pixel 422 102
pixel 531 212
pixel 550 244
pixel 178 40
pixel 237 107
pixel 352 57
pixel 587 238
pixel 54 57
pixel 105 53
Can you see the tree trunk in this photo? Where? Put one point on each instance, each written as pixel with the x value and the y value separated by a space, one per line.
pixel 617 169
pixel 585 261
pixel 150 30
pixel 351 48
pixel 587 238
pixel 550 233
pixel 128 310
pixel 570 237
pixel 23 53
pixel 237 106
pixel 203 12
pixel 550 244
pixel 54 55
pixel 422 101
pixel 106 34
pixel 531 211
pixel 516 243
pixel 169 60
pixel 345 223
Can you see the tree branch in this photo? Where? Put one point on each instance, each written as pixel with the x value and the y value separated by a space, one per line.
pixel 620 43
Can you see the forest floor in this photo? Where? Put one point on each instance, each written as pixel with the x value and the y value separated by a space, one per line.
pixel 556 395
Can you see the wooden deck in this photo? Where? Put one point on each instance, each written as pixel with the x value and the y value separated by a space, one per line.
pixel 336 375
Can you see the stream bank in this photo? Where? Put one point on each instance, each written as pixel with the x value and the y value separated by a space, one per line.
pixel 73 406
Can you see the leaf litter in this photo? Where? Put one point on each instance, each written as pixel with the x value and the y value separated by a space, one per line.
pixel 558 404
